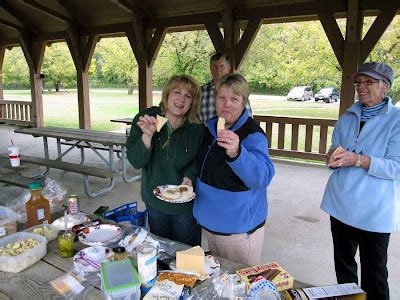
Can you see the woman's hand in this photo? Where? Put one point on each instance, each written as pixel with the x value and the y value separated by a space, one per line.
pixel 186 181
pixel 343 159
pixel 148 125
pixel 230 141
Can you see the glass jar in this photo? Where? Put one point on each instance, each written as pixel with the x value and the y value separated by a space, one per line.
pixel 120 253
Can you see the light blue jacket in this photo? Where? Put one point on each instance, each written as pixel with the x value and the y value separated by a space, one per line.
pixel 367 199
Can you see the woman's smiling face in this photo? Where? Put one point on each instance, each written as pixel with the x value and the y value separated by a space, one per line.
pixel 179 102
pixel 370 91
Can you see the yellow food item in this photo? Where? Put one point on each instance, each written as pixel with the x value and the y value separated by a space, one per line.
pixel 161 122
pixel 191 260
pixel 220 124
pixel 338 150
pixel 18 247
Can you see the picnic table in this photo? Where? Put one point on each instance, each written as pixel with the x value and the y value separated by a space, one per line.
pixel 82 139
pixel 127 121
pixel 34 282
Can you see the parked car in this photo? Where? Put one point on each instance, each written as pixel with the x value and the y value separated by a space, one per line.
pixel 327 94
pixel 300 93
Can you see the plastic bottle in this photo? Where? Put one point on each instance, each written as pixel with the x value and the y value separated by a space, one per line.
pixel 38 207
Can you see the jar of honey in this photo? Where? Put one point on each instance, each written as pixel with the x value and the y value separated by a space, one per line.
pixel 120 253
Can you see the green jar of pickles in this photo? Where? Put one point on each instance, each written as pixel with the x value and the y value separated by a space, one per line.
pixel 66 244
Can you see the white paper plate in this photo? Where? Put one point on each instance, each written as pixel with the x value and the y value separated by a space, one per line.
pixel 82 265
pixel 211 265
pixel 99 234
pixel 158 193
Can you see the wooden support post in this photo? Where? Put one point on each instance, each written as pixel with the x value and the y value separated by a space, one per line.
pixel 249 34
pixel 82 49
pixel 231 33
pixel 34 52
pixel 351 54
pixel 145 46
pixel 216 36
pixel 2 54
pixel 334 35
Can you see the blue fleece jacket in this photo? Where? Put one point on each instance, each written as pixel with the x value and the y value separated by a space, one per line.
pixel 367 199
pixel 231 194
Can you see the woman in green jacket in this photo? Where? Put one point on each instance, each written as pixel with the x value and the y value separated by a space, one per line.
pixel 169 157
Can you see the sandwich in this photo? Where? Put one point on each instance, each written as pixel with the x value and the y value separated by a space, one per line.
pixel 185 190
pixel 220 124
pixel 170 193
pixel 338 150
pixel 161 122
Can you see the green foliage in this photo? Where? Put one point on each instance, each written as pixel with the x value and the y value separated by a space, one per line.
pixel 15 70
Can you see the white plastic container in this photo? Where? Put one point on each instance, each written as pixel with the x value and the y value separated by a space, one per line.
pixel 15 264
pixel 119 280
pixel 8 221
pixel 49 231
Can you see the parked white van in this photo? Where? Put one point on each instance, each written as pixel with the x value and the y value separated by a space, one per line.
pixel 300 93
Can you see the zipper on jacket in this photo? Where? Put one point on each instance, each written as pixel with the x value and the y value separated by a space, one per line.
pixel 205 157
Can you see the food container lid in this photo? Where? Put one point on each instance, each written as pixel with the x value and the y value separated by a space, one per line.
pixel 119 275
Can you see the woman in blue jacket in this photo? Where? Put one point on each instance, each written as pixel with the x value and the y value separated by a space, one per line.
pixel 235 170
pixel 362 195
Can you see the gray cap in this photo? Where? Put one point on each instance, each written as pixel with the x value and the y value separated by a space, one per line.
pixel 376 70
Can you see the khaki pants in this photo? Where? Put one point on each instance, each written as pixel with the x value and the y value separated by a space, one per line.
pixel 244 248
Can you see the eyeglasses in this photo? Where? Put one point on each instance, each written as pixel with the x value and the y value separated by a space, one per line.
pixel 364 82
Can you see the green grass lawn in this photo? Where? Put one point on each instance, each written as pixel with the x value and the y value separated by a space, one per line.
pixel 61 109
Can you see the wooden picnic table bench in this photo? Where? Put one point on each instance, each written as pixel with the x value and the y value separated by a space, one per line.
pixel 83 139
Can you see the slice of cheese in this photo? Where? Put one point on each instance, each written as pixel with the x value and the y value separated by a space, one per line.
pixel 220 124
pixel 191 260
pixel 161 122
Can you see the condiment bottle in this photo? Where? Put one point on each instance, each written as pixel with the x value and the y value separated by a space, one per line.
pixel 120 253
pixel 38 207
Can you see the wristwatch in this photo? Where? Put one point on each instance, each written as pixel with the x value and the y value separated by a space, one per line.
pixel 358 161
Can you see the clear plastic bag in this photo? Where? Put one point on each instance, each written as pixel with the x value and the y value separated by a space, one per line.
pixel 75 285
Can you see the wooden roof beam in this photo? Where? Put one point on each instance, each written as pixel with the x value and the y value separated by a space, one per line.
pixel 74 12
pixel 47 11
pixel 11 25
pixel 249 34
pixel 216 36
pixel 378 28
pixel 334 35
pixel 155 45
pixel 24 20
pixel 186 20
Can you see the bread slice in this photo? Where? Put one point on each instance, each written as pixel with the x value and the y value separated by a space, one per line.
pixel 161 122
pixel 338 150
pixel 220 124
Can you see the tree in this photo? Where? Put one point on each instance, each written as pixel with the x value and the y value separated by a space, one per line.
pixel 58 66
pixel 116 62
pixel 15 69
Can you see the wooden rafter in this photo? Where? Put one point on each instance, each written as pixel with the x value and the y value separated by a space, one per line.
pixel 155 45
pixel 11 25
pixel 216 36
pixel 74 12
pixel 24 20
pixel 89 44
pixel 47 11
pixel 334 35
pixel 377 29
pixel 246 40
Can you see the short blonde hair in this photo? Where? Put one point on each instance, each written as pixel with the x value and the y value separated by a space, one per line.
pixel 238 84
pixel 189 83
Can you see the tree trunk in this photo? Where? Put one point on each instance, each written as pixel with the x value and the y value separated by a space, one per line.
pixel 57 86
pixel 130 89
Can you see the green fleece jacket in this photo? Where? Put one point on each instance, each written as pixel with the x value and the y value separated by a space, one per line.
pixel 165 165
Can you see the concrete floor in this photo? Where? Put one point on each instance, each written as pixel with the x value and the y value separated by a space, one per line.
pixel 297 231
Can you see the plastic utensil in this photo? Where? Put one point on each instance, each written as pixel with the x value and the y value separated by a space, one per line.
pixel 65 221
pixel 89 261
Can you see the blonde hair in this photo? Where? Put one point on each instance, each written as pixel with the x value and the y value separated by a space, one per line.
pixel 190 84
pixel 238 84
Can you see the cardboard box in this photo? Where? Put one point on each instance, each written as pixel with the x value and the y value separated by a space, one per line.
pixel 346 291
pixel 280 278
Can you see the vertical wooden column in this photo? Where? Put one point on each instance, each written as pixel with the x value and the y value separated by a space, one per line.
pixel 34 52
pixel 2 54
pixel 231 33
pixel 351 54
pixel 145 45
pixel 82 48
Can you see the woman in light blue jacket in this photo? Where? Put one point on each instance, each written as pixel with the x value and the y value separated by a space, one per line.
pixel 362 195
